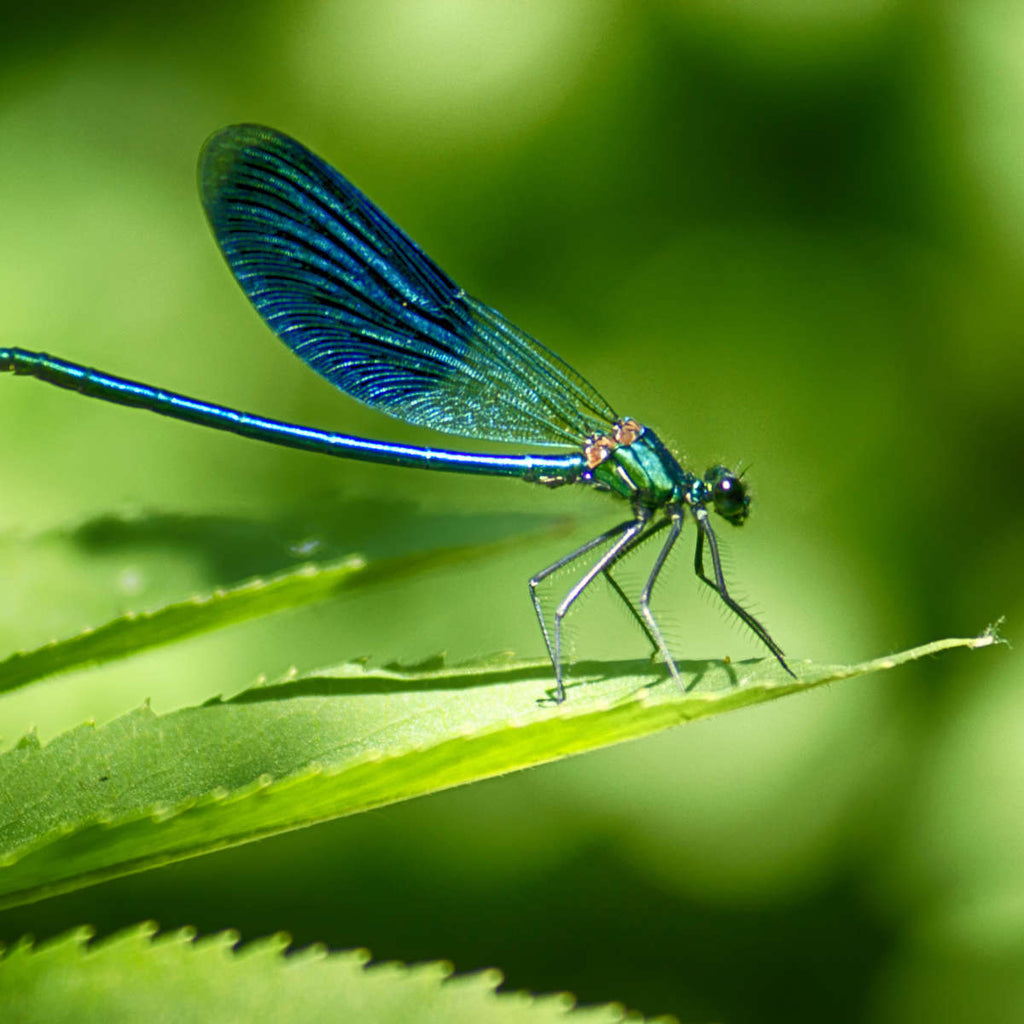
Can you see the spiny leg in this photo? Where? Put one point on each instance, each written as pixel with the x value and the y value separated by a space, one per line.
pixel 632 608
pixel 645 595
pixel 719 587
pixel 565 560
pixel 617 587
pixel 609 558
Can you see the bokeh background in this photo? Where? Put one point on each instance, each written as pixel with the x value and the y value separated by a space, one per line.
pixel 785 234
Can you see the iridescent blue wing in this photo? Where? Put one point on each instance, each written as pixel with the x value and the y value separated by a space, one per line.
pixel 363 305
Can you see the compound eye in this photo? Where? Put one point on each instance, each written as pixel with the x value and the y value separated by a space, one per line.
pixel 728 494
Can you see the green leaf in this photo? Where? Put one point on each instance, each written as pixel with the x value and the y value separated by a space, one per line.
pixel 146 790
pixel 138 631
pixel 133 974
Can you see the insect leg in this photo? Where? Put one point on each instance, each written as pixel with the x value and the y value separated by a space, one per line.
pixel 610 557
pixel 645 595
pixel 616 586
pixel 535 581
pixel 718 585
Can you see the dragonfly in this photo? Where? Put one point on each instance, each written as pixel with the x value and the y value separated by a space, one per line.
pixel 363 305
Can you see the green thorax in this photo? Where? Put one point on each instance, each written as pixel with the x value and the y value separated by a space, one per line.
pixel 633 463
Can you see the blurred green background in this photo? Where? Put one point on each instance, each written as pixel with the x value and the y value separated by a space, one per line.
pixel 783 233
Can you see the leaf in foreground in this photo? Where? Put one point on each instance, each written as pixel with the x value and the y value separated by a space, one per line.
pixel 146 790
pixel 70 979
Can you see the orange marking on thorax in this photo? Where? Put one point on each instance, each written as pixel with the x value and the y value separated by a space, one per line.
pixel 600 446
pixel 627 431
pixel 597 449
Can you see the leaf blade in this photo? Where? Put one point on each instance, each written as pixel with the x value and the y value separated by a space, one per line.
pixel 142 973
pixel 146 790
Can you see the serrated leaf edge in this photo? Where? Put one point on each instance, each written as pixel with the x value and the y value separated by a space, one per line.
pixel 79 941
pixel 643 698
